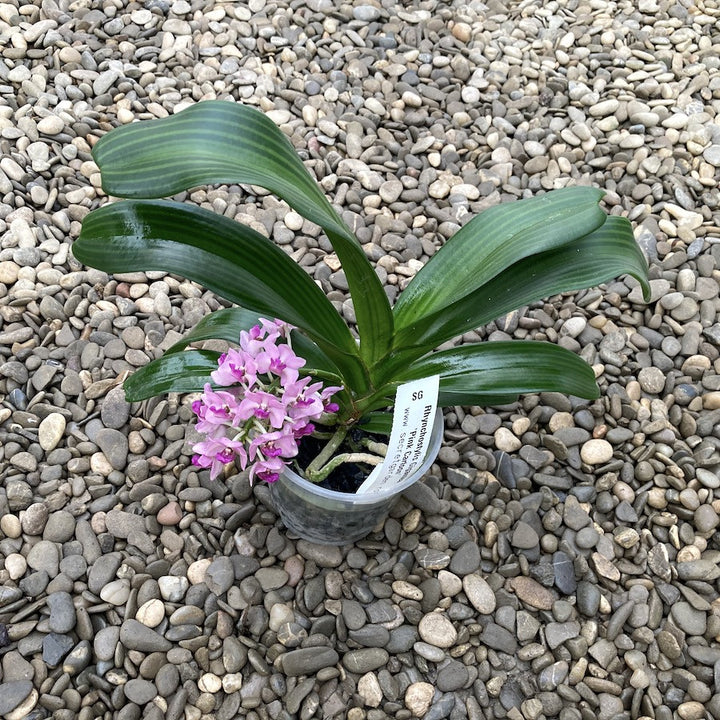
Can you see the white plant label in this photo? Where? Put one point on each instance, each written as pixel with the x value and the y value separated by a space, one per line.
pixel 415 405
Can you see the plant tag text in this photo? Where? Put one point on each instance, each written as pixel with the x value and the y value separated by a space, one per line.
pixel 415 405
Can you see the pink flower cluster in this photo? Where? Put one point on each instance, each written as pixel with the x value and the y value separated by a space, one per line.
pixel 263 408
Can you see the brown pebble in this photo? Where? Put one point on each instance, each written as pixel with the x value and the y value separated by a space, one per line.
pixel 123 290
pixel 532 593
pixel 462 32
pixel 170 514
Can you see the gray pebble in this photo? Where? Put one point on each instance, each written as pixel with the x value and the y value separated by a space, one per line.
pixel 103 571
pixel 62 612
pixel 364 660
pixel 307 661
pixel 689 619
pixel 136 636
pixel 106 641
pixel 114 446
pixel 466 559
pixel 220 575
pixel 60 527
pixel 12 694
pixel 498 638
pixel 452 676
pixel 44 555
pixel 588 599
pixel 115 410
pixel 139 691
pixel 55 647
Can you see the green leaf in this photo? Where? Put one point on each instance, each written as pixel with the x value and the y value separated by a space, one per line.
pixel 447 398
pixel 217 142
pixel 225 324
pixel 379 423
pixel 494 240
pixel 226 257
pixel 176 372
pixel 602 255
pixel 214 142
pixel 505 369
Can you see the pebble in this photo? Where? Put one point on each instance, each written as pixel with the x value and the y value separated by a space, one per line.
pixel 532 593
pixel 170 514
pixel 44 555
pixel 706 518
pixel 16 565
pixel 116 592
pixel 136 636
pixel 307 661
pixel 466 559
pixel 498 638
pixel 51 431
pixel 364 660
pixel 34 519
pixel 220 576
pixel 62 612
pixel 51 125
pixel 369 690
pixel 173 587
pixel 689 619
pixel 596 452
pixel 55 647
pixel 151 613
pixel 479 593
pixel 139 691
pixel 452 677
pixel 436 629
pixel 13 694
pixel 105 642
pixel 60 527
pixel 524 536
pixel 418 697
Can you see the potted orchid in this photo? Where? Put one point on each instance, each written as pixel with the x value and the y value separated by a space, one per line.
pixel 295 374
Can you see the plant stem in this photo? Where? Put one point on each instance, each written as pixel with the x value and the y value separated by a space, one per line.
pixel 326 453
pixel 321 473
pixel 326 461
pixel 376 447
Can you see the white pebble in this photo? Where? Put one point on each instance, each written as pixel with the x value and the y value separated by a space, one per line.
pixel 596 452
pixel 16 565
pixel 196 571
pixel 232 682
pixel 116 592
pixel 209 682
pixel 151 613
pixel 173 587
pixel 50 431
pixel 506 441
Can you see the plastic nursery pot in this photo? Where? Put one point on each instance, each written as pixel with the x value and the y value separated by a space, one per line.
pixel 336 518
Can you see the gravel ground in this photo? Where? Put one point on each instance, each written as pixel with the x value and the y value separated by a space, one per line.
pixel 560 561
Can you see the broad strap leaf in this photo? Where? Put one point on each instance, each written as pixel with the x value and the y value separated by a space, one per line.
pixel 379 423
pixel 606 253
pixel 228 323
pixel 225 324
pixel 449 397
pixel 177 372
pixel 217 142
pixel 494 240
pixel 226 257
pixel 505 369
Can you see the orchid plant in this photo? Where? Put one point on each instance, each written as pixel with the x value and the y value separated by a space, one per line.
pixel 508 256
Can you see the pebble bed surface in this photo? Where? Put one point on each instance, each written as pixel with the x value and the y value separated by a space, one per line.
pixel 560 560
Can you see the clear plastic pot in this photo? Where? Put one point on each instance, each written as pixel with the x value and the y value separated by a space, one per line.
pixel 336 518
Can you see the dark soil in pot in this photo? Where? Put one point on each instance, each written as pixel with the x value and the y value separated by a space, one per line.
pixel 348 477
